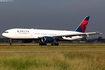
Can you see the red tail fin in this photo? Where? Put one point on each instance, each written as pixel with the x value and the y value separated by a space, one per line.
pixel 83 25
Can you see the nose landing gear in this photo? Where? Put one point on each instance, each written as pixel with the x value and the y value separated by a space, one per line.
pixel 10 41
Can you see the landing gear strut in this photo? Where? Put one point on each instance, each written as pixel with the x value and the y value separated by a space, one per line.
pixel 10 41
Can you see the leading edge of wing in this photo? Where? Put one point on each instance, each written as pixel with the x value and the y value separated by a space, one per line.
pixel 70 35
pixel 78 34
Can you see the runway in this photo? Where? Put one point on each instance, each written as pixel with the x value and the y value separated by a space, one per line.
pixel 50 45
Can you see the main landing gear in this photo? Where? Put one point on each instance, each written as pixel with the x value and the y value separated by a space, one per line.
pixel 53 44
pixel 42 43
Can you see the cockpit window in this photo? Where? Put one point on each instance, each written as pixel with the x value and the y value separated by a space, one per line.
pixel 6 32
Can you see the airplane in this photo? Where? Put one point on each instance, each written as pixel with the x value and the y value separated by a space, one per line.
pixel 48 36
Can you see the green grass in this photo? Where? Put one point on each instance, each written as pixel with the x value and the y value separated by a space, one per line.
pixel 52 57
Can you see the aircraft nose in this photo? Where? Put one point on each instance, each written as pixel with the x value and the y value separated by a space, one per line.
pixel 3 34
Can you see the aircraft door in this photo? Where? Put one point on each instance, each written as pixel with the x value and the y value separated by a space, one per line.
pixel 32 32
pixel 16 32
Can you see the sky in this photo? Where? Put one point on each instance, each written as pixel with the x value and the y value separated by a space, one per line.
pixel 52 14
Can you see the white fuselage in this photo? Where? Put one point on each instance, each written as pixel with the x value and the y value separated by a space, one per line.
pixel 48 36
pixel 18 33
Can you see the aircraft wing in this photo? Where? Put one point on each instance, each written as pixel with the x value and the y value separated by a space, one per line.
pixel 78 34
pixel 93 33
pixel 69 35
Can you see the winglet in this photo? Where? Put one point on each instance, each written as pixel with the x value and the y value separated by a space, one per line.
pixel 83 25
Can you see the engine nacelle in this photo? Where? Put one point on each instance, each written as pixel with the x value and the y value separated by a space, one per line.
pixel 47 39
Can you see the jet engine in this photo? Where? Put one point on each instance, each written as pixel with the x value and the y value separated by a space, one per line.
pixel 47 39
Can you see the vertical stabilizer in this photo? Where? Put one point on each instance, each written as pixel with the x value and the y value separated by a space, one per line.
pixel 83 25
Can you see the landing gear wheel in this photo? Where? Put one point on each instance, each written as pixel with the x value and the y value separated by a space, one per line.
pixel 54 44
pixel 10 41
